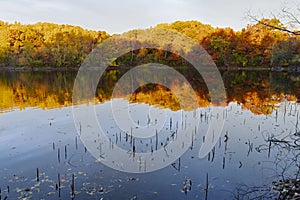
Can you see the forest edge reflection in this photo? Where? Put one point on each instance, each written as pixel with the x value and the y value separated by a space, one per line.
pixel 243 87
pixel 259 92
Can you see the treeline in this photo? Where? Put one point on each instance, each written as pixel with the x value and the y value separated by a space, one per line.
pixel 46 44
pixel 254 46
pixel 52 45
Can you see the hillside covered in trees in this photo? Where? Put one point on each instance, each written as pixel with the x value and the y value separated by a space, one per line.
pixel 46 44
pixel 66 46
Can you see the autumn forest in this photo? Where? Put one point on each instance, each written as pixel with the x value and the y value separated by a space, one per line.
pixel 176 110
pixel 65 46
pixel 47 46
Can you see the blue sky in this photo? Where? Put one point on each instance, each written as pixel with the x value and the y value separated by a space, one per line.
pixel 117 16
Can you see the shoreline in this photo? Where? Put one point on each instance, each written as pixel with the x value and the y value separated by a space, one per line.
pixel 64 69
pixel 37 69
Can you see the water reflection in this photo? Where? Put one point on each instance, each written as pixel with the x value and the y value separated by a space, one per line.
pixel 257 92
pixel 253 157
pixel 257 155
pixel 35 89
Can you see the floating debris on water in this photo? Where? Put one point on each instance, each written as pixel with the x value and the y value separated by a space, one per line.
pixel 288 189
pixel 187 185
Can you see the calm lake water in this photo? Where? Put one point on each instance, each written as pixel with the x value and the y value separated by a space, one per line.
pixel 44 156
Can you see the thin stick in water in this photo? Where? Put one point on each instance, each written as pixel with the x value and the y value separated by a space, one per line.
pixel 131 136
pixel 76 143
pixel 37 175
pixel 133 147
pixel 58 155
pixel 213 154
pixel 66 155
pixel 73 186
pixel 58 176
pixel 156 136
pixel 269 151
pixel 206 187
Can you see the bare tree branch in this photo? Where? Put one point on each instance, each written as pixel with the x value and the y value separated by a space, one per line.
pixel 291 16
pixel 275 27
pixel 288 16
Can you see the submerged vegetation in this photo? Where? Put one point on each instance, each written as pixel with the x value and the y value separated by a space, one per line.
pixel 66 46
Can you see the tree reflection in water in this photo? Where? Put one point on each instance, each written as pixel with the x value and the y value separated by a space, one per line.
pixel 261 93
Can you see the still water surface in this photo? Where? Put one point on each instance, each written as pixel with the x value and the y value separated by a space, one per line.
pixel 42 156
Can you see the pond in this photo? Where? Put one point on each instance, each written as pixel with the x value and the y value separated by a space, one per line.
pixel 47 154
